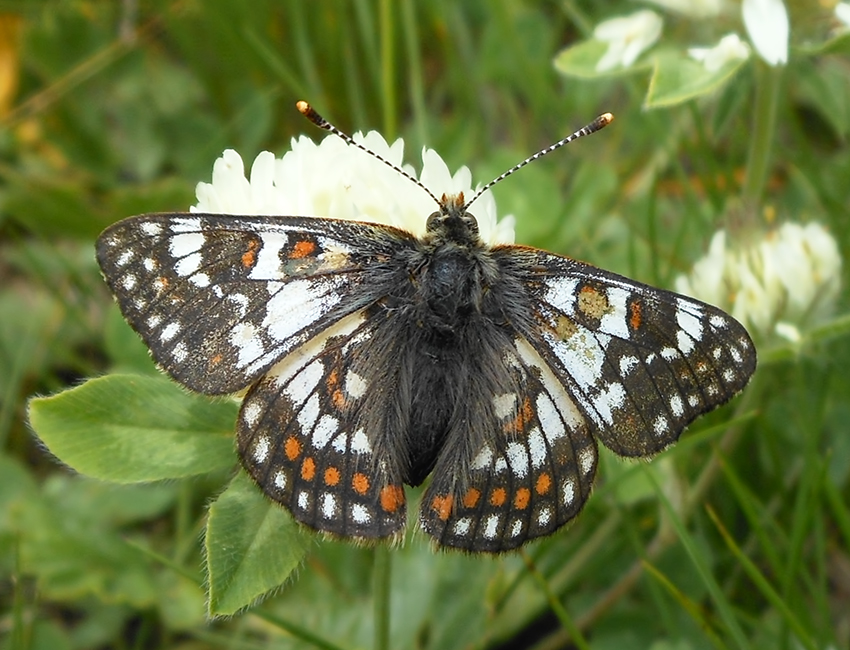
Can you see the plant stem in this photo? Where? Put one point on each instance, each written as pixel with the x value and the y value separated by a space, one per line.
pixel 768 82
pixel 387 69
pixel 381 572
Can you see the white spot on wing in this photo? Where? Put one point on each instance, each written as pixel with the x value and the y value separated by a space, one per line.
pixel 129 282
pixel 608 401
pixel 544 517
pixel 124 258
pixel 660 426
pixel 360 443
pixel 150 229
pixel 462 526
pixel 536 448
pixel 677 406
pixel 308 415
pixel 200 280
pixel 169 331
pixel 483 458
pixel 267 266
pixel 627 364
pixel 360 514
pixel 491 526
pixel 518 459
pixel 180 353
pixel 261 449
pixel 355 385
pixel 562 294
pixel 280 480
pixel 185 244
pixel 516 527
pixel 614 322
pixel 550 419
pixel 300 303
pixel 250 412
pixel 568 490
pixel 188 265
pixel 328 505
pixel 326 427
pixel 586 459
pixel 504 406
pixel 303 500
pixel 246 340
pixel 303 384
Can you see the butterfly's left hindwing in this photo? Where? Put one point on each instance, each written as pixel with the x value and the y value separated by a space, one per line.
pixel 219 299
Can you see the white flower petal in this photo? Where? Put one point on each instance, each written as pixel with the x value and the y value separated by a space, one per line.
pixel 627 38
pixel 730 48
pixel 767 24
pixel 337 180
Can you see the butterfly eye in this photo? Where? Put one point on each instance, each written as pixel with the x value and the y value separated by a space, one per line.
pixel 433 221
pixel 471 223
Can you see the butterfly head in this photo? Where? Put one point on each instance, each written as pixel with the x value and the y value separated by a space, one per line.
pixel 452 223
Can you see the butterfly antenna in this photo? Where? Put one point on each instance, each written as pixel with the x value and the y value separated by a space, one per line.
pixel 599 123
pixel 310 113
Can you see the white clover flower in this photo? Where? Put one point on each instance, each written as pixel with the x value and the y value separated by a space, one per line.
pixel 767 24
pixel 789 279
pixel 730 48
pixel 627 37
pixel 842 12
pixel 692 8
pixel 337 180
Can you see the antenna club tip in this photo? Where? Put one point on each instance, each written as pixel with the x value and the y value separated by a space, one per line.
pixel 606 119
pixel 303 107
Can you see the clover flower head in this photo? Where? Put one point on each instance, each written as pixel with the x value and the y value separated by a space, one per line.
pixel 730 48
pixel 337 180
pixel 789 279
pixel 627 37
pixel 842 12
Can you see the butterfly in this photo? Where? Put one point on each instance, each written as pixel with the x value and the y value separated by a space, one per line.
pixel 373 358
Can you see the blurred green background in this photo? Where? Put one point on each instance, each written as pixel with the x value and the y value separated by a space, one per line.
pixel 737 537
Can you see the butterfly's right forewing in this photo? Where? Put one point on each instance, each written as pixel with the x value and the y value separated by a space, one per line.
pixel 219 299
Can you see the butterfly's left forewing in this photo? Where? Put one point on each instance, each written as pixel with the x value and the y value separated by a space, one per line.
pixel 642 363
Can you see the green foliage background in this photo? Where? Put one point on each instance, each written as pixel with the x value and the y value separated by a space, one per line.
pixel 737 537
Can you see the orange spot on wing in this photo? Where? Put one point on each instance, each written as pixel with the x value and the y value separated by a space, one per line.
pixel 292 448
pixel 544 482
pixel 215 360
pixel 331 476
pixel 302 249
pixel 521 499
pixel 498 497
pixel 392 498
pixel 635 315
pixel 332 383
pixel 249 257
pixel 360 483
pixel 470 499
pixel 308 469
pixel 442 505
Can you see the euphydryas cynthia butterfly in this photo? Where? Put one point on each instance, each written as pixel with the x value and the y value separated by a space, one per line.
pixel 374 358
